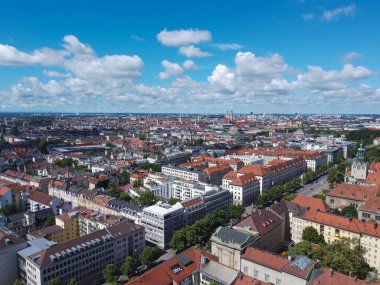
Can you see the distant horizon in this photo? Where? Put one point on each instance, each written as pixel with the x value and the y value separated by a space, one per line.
pixel 176 113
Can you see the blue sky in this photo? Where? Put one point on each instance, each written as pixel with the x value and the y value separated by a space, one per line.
pixel 194 56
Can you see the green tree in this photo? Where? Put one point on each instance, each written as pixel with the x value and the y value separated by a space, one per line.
pixel 124 178
pixel 179 240
pixel 129 267
pixel 65 162
pixel 8 209
pixel 302 248
pixel 236 211
pixel 49 222
pixel 349 211
pixel 146 199
pixel 173 201
pixel 149 255
pixel 55 281
pixel 290 197
pixel 345 256
pixel 311 234
pixel 125 196
pixel 110 273
pixel 72 281
pixel 17 282
pixel 146 166
pixel 136 183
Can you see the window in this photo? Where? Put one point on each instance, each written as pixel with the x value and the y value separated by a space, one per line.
pixel 245 269
pixel 278 281
pixel 256 273
pixel 266 277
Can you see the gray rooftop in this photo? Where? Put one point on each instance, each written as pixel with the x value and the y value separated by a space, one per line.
pixel 219 272
pixel 229 235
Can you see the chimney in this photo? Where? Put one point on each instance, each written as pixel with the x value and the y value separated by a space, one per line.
pixel 375 226
pixel 331 272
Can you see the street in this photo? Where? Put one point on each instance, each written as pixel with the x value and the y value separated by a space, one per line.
pixel 314 187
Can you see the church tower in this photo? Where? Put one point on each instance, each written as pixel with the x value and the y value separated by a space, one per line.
pixel 359 166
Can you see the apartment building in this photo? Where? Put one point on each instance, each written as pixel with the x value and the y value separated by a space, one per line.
pixel 334 227
pixel 39 200
pixel 370 210
pixel 161 221
pixel 314 159
pixel 215 173
pixel 10 243
pixel 278 270
pixel 346 194
pixel 267 225
pixel 83 258
pixel 245 188
pixel 185 173
pixel 160 184
pixel 195 267
pixel 276 172
pixel 185 189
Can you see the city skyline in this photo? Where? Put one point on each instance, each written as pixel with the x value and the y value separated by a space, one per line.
pixel 279 57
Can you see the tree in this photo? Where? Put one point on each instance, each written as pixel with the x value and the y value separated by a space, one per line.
pixel 345 256
pixel 136 183
pixel 290 197
pixel 55 282
pixel 124 178
pixel 65 162
pixel 149 255
pixel 146 199
pixel 311 234
pixel 8 209
pixel 236 211
pixel 72 281
pixel 110 273
pixel 179 240
pixel 349 211
pixel 125 196
pixel 129 267
pixel 173 201
pixel 49 222
pixel 302 248
pixel 147 166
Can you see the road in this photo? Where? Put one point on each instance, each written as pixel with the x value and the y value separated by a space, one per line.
pixel 309 189
pixel 314 187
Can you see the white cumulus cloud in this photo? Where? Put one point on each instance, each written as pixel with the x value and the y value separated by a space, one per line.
pixel 330 15
pixel 183 37
pixel 170 69
pixel 189 64
pixel 192 51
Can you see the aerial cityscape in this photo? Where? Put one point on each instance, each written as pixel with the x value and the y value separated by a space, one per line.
pixel 190 143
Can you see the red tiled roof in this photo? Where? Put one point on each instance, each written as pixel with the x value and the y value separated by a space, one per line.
pixel 371 205
pixel 256 169
pixel 312 203
pixel 354 192
pixel 244 180
pixel 41 198
pixel 4 190
pixel 218 168
pixel 163 274
pixel 329 277
pixel 265 258
pixel 261 221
